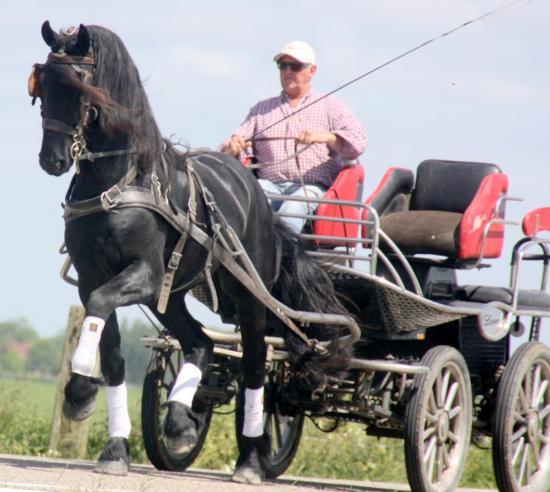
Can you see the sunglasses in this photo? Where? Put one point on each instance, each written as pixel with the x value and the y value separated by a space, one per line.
pixel 295 67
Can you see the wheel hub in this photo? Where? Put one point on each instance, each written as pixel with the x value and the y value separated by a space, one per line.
pixel 443 425
pixel 533 426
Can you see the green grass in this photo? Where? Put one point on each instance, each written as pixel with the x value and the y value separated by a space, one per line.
pixel 26 409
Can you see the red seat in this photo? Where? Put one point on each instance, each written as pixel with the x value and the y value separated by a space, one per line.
pixel 348 185
pixel 535 221
pixel 451 210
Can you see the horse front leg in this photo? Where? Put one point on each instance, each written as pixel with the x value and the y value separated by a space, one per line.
pixel 115 457
pixel 252 320
pixel 136 284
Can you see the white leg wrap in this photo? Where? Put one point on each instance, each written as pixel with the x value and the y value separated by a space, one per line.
pixel 117 405
pixel 253 412
pixel 83 361
pixel 186 384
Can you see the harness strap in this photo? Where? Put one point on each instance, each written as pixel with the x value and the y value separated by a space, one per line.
pixel 57 126
pixel 91 156
pixel 175 257
pixel 102 203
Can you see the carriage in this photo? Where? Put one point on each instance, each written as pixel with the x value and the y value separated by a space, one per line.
pixel 432 362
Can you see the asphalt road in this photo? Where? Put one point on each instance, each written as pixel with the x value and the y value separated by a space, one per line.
pixel 23 473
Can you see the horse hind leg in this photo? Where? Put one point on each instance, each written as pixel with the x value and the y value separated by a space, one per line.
pixel 186 415
pixel 252 319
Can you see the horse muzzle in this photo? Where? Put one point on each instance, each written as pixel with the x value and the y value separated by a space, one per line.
pixel 55 166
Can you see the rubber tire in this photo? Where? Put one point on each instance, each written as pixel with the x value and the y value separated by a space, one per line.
pixel 151 425
pixel 521 363
pixel 274 464
pixel 439 359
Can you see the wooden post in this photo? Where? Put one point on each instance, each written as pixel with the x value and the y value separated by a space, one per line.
pixel 69 438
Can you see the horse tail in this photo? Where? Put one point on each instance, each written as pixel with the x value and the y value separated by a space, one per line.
pixel 302 284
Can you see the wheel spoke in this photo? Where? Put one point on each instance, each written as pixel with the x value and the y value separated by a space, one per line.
pixel 453 437
pixel 518 450
pixel 536 455
pixel 439 463
pixel 429 449
pixel 538 399
pixel 432 404
pixel 523 400
pixel 428 433
pixel 523 465
pixel 454 412
pixel 446 457
pixel 431 460
pixel 437 388
pixel 536 382
pixel 451 395
pixel 520 432
pixel 430 418
pixel 442 400
pixel 519 418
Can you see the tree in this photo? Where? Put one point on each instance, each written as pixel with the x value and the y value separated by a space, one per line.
pixel 18 330
pixel 45 356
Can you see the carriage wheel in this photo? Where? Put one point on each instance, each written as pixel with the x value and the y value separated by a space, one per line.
pixel 282 430
pixel 161 374
pixel 521 433
pixel 438 422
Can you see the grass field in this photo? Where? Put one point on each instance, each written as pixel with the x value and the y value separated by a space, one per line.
pixel 25 418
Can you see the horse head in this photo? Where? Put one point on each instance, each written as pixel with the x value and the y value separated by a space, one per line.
pixel 65 108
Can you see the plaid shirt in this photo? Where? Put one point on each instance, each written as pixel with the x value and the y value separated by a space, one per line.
pixel 318 164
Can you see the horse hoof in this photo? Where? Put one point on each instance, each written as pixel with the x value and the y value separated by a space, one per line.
pixel 115 457
pixel 180 428
pixel 249 469
pixel 119 467
pixel 79 412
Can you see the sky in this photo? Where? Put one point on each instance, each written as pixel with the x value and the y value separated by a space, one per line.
pixel 480 94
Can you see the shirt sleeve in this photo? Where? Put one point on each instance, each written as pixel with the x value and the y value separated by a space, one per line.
pixel 246 130
pixel 343 123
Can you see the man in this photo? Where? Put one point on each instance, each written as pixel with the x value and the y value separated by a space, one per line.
pixel 300 144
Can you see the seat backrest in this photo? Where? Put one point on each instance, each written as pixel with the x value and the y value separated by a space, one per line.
pixel 348 185
pixel 391 195
pixel 448 186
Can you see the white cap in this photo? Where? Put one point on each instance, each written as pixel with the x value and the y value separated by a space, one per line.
pixel 299 50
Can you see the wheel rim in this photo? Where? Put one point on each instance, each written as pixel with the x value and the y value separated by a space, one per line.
pixel 530 433
pixel 281 430
pixel 444 434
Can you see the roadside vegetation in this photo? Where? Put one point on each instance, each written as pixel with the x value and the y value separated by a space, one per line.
pixel 27 401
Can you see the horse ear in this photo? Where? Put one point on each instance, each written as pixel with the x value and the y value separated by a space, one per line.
pixel 48 34
pixel 83 40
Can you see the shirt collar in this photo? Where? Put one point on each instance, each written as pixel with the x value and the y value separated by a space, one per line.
pixel 307 97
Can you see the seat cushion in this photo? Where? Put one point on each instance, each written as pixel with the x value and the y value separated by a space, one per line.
pixel 423 231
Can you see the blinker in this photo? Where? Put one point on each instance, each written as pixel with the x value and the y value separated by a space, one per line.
pixel 34 86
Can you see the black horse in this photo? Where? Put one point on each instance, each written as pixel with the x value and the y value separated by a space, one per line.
pixel 130 212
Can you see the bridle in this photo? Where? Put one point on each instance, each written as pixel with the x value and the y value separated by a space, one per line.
pixel 84 66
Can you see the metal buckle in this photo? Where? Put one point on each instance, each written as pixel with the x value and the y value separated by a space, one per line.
pixel 174 262
pixel 109 197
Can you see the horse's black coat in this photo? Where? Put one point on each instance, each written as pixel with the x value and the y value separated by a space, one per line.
pixel 120 256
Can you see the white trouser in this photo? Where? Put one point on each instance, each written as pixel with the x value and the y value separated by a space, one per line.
pixel 291 206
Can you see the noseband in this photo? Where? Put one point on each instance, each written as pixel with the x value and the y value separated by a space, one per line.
pixel 84 66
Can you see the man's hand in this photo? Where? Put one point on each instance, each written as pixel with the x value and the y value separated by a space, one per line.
pixel 332 140
pixel 235 145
